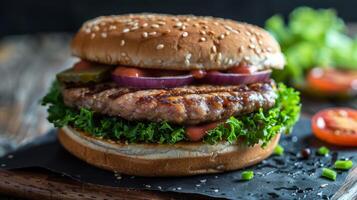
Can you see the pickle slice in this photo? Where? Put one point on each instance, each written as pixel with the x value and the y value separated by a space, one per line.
pixel 93 74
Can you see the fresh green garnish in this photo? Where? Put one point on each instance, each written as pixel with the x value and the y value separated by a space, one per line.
pixel 312 38
pixel 247 175
pixel 323 151
pixel 329 173
pixel 256 127
pixel 279 150
pixel 343 164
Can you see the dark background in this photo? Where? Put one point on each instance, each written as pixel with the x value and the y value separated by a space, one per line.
pixel 36 16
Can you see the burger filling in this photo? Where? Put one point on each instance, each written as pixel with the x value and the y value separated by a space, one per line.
pixel 135 105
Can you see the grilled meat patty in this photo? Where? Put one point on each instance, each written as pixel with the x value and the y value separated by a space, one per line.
pixel 183 105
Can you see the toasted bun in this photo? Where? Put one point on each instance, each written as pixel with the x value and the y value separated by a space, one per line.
pixel 182 42
pixel 181 159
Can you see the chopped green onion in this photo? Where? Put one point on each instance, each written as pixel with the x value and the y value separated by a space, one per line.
pixel 343 164
pixel 328 173
pixel 247 175
pixel 279 150
pixel 323 151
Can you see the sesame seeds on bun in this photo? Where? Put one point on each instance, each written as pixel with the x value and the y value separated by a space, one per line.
pixel 181 42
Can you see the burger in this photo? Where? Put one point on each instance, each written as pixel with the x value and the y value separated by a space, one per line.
pixel 171 95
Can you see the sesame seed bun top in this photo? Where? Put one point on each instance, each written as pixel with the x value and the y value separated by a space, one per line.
pixel 181 42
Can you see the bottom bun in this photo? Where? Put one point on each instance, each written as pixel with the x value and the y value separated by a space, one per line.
pixel 181 159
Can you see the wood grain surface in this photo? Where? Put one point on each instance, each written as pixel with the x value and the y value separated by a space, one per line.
pixel 37 184
pixel 28 65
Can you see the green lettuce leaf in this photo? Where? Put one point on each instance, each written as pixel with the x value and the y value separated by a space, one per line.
pixel 312 38
pixel 256 127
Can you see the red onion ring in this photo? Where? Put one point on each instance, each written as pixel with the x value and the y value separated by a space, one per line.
pixel 219 78
pixel 153 82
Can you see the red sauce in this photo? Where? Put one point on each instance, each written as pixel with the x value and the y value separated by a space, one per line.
pixel 196 133
pixel 82 65
pixel 243 69
pixel 198 74
pixel 129 71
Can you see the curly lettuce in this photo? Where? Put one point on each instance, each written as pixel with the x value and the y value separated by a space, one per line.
pixel 256 127
pixel 312 38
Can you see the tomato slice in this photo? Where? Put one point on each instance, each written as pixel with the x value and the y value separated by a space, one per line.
pixel 336 126
pixel 196 133
pixel 332 80
pixel 82 65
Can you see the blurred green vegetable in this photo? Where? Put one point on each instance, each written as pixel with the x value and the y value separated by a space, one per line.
pixel 312 38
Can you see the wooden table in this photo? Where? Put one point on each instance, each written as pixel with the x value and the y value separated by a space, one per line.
pixel 27 68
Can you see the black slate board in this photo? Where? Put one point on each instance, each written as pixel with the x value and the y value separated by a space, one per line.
pixel 279 177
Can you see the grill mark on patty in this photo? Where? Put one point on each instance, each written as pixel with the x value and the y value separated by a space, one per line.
pixel 209 103
pixel 122 92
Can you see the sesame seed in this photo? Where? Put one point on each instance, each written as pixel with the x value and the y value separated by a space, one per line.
pixel 214 49
pixel 203 180
pixel 248 33
pixel 241 48
pixel 258 51
pixel 144 34
pixel 211 33
pixel 188 56
pixel 144 25
pixel 96 28
pixel 230 61
pixel 219 57
pixel 269 50
pixel 102 23
pixel 92 36
pixel 104 35
pixel 252 46
pixel 246 58
pixel 123 54
pixel 122 42
pixel 179 188
pixel 227 33
pixel 161 23
pixel 228 27
pixel 203 32
pixel 166 31
pixel 215 23
pixel 260 42
pixel 178 24
pixel 152 33
pixel 221 37
pixel 148 186
pixel 159 46
pixel 211 56
pixel 126 30
pixel 183 28
pixel 205 27
pixel 155 26
pixel 112 27
pixel 216 190
pixel 134 28
pixel 235 31
pixel 184 34
pixel 202 39
pixel 159 187
pixel 195 25
pixel 87 30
